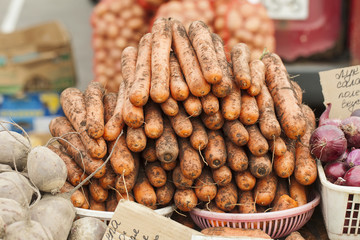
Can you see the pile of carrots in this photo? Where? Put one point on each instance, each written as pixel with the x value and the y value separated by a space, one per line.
pixel 191 125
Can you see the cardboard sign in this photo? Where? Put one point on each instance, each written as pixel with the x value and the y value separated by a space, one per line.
pixel 341 88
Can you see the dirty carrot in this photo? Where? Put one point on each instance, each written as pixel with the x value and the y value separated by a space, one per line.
pixel 249 113
pixel 215 152
pixel 244 180
pixel 237 159
pixel 236 132
pixel 213 122
pixel 199 138
pixel 170 107
pixel 192 105
pixel 231 104
pixel 240 57
pixel 153 120
pixel 179 90
pixel 257 73
pixel 136 139
pixel 189 159
pixel 210 104
pixel 167 149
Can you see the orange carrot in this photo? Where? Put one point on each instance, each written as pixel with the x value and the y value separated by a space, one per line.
pixel 160 60
pixel 287 107
pixel 181 123
pixel 136 139
pixel 199 138
pixel 260 166
pixel 226 197
pixel 189 63
pixel 223 88
pixel 165 194
pixel 235 232
pixel 284 202
pixel 168 166
pixel 153 120
pixel 215 152
pixel 210 104
pixel 111 202
pixel 200 37
pixel 236 132
pixel 77 198
pixel 167 149
pixel 93 97
pixel 144 192
pixel 149 153
pixel 190 161
pixel 277 146
pixel 179 180
pixel 109 102
pixel 205 188
pixel 121 160
pixel 265 189
pixel 178 88
pixel 108 180
pixel 170 107
pixel 213 122
pixel 245 181
pixel 192 105
pixel 281 189
pixel 125 184
pixel 237 159
pixel 140 90
pixel 240 57
pixel 297 191
pixel 257 73
pixel 231 104
pixel 284 165
pixel 222 175
pixel 98 193
pixel 155 174
pixel 298 90
pixel 249 113
pixel 185 199
pixel 247 202
pixel 257 143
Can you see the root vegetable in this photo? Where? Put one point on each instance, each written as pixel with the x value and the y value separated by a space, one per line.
pixel 15 186
pixel 29 230
pixel 11 211
pixel 87 228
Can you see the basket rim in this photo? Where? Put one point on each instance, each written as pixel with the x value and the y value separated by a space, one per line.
pixel 108 215
pixel 328 184
pixel 245 217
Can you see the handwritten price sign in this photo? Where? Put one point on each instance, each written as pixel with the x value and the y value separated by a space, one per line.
pixel 341 88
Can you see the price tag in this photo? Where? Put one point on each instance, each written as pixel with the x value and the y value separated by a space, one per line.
pixel 341 88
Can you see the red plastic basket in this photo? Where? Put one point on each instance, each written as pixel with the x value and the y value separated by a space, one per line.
pixel 276 224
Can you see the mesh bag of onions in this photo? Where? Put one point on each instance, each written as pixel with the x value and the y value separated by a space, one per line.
pixel 116 24
pixel 242 21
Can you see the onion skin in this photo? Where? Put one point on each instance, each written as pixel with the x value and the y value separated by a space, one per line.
pixel 352 177
pixel 334 170
pixel 351 127
pixel 356 113
pixel 325 120
pixel 328 143
pixel 353 158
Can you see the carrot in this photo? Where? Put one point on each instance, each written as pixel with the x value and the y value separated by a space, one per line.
pixel 168 166
pixel 224 86
pixel 149 153
pixel 75 174
pixel 170 107
pixel 281 189
pixel 160 60
pixel 249 113
pixel 237 159
pixel 121 160
pixel 205 188
pixel 215 152
pixel 222 175
pixel 284 202
pixel 294 236
pixel 61 127
pixel 198 138
pixel 109 102
pixel 97 193
pixel 236 132
pixel 125 184
pixel 140 90
pixel 165 194
pixel 185 199
pixel 179 90
pixel 240 58
pixel 77 198
pixel 257 73
pixel 305 164
pixel 181 123
pixel 284 165
pixel 144 192
pixel 93 97
pixel 108 180
pixel 179 180
pixel 226 197
pixel 265 189
pixel 133 116
pixel 213 208
pixel 111 202
pixel 257 143
pixel 277 146
pixel 73 104
pixel 136 139
pixel 298 90
pixel 287 107
pixel 210 104
pixel 167 149
pixel 200 37
pixel 213 122
pixel 189 63
pixel 260 166
pixel 297 191
pixel 244 180
pixel 190 162
pixel 231 104
pixel 95 205
pixel 247 202
pixel 237 232
pixel 153 120
pixel 85 192
pixel 268 123
pixel 116 123
pixel 129 196
pixel 155 174
pixel 192 105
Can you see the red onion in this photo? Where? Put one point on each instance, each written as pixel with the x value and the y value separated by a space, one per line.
pixel 352 177
pixel 356 113
pixel 351 127
pixel 353 158
pixel 334 170
pixel 325 120
pixel 328 143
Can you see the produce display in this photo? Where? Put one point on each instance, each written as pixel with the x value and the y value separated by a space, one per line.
pixel 336 143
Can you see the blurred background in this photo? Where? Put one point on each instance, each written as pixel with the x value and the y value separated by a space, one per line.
pixel 48 45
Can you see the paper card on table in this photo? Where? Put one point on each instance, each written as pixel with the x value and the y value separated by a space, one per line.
pixel 134 221
pixel 341 88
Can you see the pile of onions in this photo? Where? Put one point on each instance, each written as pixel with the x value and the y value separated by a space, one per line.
pixel 243 21
pixel 116 24
pixel 336 143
